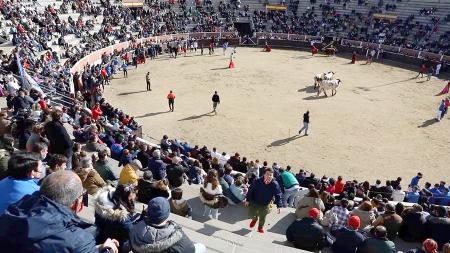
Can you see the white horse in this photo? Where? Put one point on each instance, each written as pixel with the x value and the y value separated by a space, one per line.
pixel 329 85
pixel 324 76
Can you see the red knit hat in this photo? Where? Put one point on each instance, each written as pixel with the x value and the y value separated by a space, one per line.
pixel 354 222
pixel 314 213
pixel 430 246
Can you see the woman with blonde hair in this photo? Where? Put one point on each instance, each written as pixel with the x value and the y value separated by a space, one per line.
pixel 210 195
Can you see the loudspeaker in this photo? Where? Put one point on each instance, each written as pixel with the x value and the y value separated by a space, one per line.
pixel 243 28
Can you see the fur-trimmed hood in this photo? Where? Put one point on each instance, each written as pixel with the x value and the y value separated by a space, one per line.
pixel 207 199
pixel 105 208
pixel 145 238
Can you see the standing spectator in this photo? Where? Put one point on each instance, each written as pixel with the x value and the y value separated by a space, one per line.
pixel 377 244
pixel 307 233
pixel 171 99
pixel 156 232
pixel 60 142
pixel 23 170
pixel 348 239
pixel 57 228
pixel 415 180
pixel 305 123
pixel 209 195
pixel 438 68
pixel 259 197
pixel 291 188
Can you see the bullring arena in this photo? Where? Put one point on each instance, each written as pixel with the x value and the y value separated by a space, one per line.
pixel 381 119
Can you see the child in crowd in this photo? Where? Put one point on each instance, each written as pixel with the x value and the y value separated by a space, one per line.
pixel 178 205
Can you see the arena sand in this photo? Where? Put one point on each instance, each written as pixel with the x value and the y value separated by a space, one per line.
pixel 380 124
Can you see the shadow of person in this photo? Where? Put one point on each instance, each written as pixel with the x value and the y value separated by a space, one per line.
pixel 429 122
pixel 131 92
pixel 308 89
pixel 285 141
pixel 208 114
pixel 151 114
pixel 315 97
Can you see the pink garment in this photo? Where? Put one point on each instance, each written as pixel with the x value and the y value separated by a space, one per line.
pixel 445 90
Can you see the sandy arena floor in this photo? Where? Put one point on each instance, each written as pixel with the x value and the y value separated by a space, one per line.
pixel 379 125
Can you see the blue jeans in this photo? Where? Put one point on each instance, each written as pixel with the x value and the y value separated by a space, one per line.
pixel 289 195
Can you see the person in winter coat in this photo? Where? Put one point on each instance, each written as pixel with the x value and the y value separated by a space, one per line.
pixel 90 178
pixel 128 174
pixel 311 200
pixel 390 220
pixel 438 226
pixel 348 239
pixel 259 198
pixel 178 205
pixel 60 142
pixel 149 188
pixel 57 228
pixel 156 233
pixel 103 169
pixel 428 246
pixel 365 214
pixel 307 233
pixel 413 225
pixel 210 195
pixel 176 172
pixel 96 111
pixel 114 214
pixel 23 170
pixel 377 244
pixel 157 166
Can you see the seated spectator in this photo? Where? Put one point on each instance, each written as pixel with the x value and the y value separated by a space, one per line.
pixel 413 225
pixel 176 172
pixel 311 200
pixel 428 246
pixel 103 169
pixel 390 220
pixel 178 205
pixel 157 166
pixel 57 202
pixel 348 239
pixel 437 226
pixel 149 188
pixel 128 174
pixel 196 173
pixel 143 156
pixel 125 158
pixel 115 214
pixel 339 185
pixel 90 178
pixel 365 214
pixel 307 233
pixel 165 143
pixel 342 214
pixel 35 137
pixel 227 174
pixel 5 155
pixel 413 195
pixel 237 193
pixel 377 244
pixel 23 170
pixel 55 163
pixel 155 232
pixel 94 146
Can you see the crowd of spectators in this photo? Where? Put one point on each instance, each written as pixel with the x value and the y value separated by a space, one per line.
pixel 55 174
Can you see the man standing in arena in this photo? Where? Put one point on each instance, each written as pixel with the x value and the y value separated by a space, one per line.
pixel 147 78
pixel 259 197
pixel 171 98
pixel 305 123
pixel 216 100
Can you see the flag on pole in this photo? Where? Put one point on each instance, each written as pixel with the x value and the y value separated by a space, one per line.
pixel 28 82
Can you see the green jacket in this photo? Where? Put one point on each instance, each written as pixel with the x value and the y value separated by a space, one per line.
pixel 105 171
pixel 288 179
pixel 375 245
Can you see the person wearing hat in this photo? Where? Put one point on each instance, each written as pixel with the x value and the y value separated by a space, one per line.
pixel 390 220
pixel 307 233
pixel 428 246
pixel 176 173
pixel 157 166
pixel 437 226
pixel 156 233
pixel 348 239
pixel 128 174
pixel 377 244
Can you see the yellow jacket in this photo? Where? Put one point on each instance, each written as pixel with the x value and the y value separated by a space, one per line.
pixel 128 175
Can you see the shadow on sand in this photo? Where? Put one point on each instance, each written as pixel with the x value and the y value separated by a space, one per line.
pixel 429 122
pixel 208 114
pixel 285 141
pixel 131 92
pixel 151 114
pixel 308 89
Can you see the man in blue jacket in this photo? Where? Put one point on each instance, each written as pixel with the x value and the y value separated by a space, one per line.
pixel 46 221
pixel 157 166
pixel 259 198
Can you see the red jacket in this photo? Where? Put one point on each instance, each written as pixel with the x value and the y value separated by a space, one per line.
pixel 96 112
